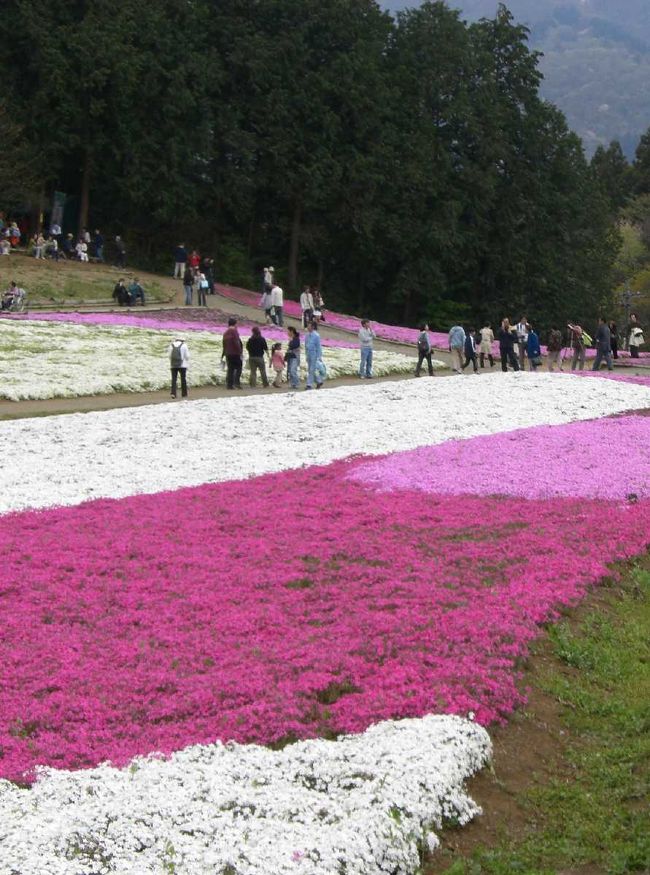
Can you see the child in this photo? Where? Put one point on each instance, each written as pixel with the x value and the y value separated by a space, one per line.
pixel 277 363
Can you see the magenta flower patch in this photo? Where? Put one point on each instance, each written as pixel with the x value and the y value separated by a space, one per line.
pixel 569 461
pixel 292 605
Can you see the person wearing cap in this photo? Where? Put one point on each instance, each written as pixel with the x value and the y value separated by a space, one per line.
pixel 179 358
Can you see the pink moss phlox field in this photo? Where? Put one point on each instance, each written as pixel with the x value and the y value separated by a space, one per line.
pixel 292 605
pixel 567 461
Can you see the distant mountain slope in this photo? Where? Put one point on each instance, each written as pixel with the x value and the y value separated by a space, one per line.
pixel 596 61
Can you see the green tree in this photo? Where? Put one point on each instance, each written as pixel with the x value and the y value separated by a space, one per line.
pixel 612 172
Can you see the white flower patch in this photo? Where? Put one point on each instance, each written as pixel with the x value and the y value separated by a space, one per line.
pixel 362 805
pixel 65 360
pixel 69 459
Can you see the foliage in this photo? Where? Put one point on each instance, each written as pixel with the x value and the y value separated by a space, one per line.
pixel 410 165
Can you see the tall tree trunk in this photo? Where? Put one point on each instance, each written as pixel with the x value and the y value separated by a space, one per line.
pixel 84 200
pixel 294 248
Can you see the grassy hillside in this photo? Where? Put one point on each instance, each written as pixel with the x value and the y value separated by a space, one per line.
pixel 50 283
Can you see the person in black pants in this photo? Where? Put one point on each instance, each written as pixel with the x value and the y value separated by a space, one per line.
pixel 232 352
pixel 507 346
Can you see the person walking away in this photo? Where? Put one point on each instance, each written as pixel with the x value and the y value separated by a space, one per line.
pixel 366 337
pixel 188 285
pixel 180 261
pixel 201 289
pixel 554 349
pixel 232 352
pixel 257 348
pixel 635 339
pixel 522 340
pixel 292 357
pixel 179 359
pixel 507 338
pixel 470 350
pixel 208 270
pixel 457 347
pixel 613 339
pixel 603 341
pixel 277 363
pixel 136 292
pixel 120 246
pixel 533 349
pixel 98 243
pixel 485 346
pixel 314 353
pixel 578 347
pixel 307 306
pixel 277 303
pixel 424 350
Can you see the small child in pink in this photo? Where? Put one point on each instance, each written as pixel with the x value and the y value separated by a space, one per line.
pixel 277 363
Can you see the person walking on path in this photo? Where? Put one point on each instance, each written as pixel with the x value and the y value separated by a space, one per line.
pixel 307 306
pixel 533 349
pixel 603 341
pixel 470 350
pixel 314 353
pixel 277 363
pixel 292 357
pixel 578 347
pixel 180 261
pixel 485 347
pixel 635 336
pixel 277 304
pixel 179 359
pixel 188 285
pixel 507 346
pixel 232 352
pixel 457 347
pixel 613 338
pixel 554 349
pixel 424 350
pixel 522 340
pixel 366 337
pixel 257 348
pixel 267 279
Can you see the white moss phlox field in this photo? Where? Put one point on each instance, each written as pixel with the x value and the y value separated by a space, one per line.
pixel 362 805
pixel 65 360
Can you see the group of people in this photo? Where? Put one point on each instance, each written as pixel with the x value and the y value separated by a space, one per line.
pixel 260 355
pixel 56 245
pixel 128 295
pixel 520 343
pixel 272 301
pixel 197 274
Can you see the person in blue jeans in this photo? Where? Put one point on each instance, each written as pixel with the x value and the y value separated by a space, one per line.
pixel 314 353
pixel 292 357
pixel 366 337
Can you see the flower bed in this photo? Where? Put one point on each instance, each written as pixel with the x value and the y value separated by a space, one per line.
pixel 292 605
pixel 54 359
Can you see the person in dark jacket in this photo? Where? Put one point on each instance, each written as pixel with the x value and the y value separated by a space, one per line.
pixel 188 284
pixel 507 339
pixel 292 357
pixel 121 293
pixel 470 350
pixel 257 348
pixel 613 339
pixel 533 349
pixel 603 341
pixel 180 260
pixel 232 352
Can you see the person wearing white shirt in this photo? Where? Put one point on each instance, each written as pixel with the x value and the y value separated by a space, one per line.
pixel 82 250
pixel 307 306
pixel 179 358
pixel 277 302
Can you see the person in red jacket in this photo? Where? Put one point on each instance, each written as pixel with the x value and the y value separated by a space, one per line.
pixel 232 352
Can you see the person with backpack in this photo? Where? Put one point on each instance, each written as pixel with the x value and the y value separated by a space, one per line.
pixel 179 359
pixel 424 350
pixel 456 347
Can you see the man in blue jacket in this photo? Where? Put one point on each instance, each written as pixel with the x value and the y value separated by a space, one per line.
pixel 314 353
